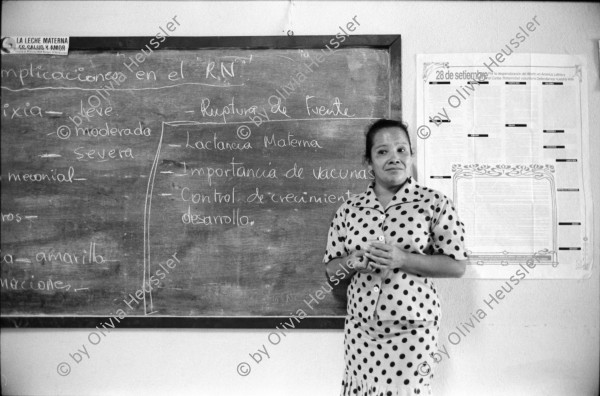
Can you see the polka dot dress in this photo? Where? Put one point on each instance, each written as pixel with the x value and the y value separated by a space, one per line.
pixel 392 324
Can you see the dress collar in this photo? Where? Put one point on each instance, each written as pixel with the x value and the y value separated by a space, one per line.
pixel 409 192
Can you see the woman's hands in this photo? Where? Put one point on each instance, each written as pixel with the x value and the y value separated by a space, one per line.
pixel 378 256
pixel 357 261
pixel 384 257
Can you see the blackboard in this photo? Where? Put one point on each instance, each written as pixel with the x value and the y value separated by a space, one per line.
pixel 206 174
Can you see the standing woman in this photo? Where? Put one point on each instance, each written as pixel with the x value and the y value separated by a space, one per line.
pixel 393 238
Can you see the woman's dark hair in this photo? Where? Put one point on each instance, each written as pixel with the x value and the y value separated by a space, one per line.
pixel 376 127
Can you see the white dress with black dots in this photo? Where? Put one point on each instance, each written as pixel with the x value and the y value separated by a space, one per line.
pixel 392 324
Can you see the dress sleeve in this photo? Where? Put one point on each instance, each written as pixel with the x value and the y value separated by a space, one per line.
pixel 448 232
pixel 336 237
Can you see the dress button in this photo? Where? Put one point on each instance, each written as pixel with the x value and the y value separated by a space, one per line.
pixel 376 288
pixel 381 238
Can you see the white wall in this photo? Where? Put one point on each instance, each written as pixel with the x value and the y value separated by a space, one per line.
pixel 543 339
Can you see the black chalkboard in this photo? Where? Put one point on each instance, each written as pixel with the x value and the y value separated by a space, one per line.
pixel 209 172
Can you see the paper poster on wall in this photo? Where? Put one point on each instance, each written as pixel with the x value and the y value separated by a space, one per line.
pixel 508 142
pixel 43 45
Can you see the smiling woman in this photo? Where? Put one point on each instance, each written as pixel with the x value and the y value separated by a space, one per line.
pixel 391 238
pixel 389 156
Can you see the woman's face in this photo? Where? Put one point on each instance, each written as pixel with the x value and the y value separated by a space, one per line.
pixel 390 157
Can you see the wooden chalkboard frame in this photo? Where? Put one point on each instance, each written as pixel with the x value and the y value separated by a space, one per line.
pixel 390 43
